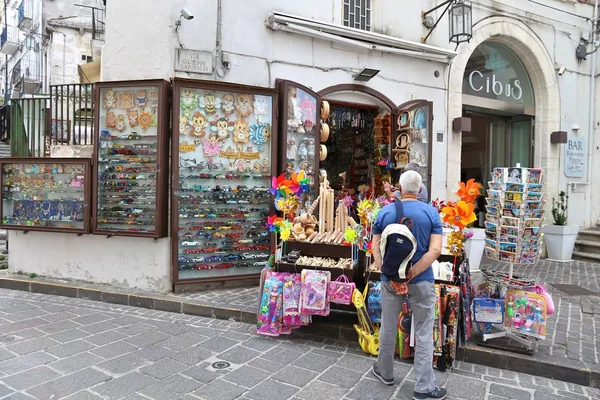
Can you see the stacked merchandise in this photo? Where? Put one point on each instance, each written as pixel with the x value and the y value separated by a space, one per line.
pixel 514 215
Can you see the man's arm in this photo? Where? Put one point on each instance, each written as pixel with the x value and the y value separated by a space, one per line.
pixel 434 251
pixel 376 251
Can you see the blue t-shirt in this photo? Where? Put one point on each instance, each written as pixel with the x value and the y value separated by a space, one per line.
pixel 426 221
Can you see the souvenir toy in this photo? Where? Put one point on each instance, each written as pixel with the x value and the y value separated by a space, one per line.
pixel 111 119
pixel 291 301
pixel 140 98
pixel 311 148
pixel 228 104
pixel 292 150
pixel 309 111
pixel 187 100
pixel 153 100
pixel 374 301
pixel 261 106
pixel 133 116
pixel 294 114
pixel 340 291
pixel 120 123
pixel 313 297
pixel 241 132
pixel 184 126
pixel 126 100
pixel 368 334
pixel 249 153
pixel 222 127
pixel 110 100
pixel 198 124
pixel 243 105
pixel 260 133
pixel 210 103
pixel 302 151
pixel 270 312
pixel 212 145
pixel 145 120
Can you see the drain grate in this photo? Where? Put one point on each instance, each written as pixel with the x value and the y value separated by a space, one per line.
pixel 221 365
pixel 572 290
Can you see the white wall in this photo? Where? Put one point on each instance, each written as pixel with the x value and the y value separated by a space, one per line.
pixel 119 261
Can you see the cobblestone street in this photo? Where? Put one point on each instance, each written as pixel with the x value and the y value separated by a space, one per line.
pixel 55 347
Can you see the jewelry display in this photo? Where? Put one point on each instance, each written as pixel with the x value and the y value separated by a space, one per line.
pixel 224 176
pixel 45 195
pixel 128 163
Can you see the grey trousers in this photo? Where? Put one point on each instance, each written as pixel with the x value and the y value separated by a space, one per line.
pixel 421 298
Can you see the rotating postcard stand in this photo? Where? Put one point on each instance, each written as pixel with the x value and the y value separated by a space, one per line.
pixel 514 214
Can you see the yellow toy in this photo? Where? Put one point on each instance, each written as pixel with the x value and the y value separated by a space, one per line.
pixel 368 333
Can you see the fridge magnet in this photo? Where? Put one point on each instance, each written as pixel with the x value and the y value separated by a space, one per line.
pixel 243 105
pixel 110 100
pixel 184 126
pixel 240 131
pixel 260 133
pixel 261 106
pixel 210 103
pixel 111 120
pixel 186 147
pixel 145 120
pixel 153 100
pixel 249 153
pixel 133 117
pixel 198 123
pixel 120 123
pixel 228 104
pixel 187 101
pixel 211 146
pixel 126 100
pixel 222 127
pixel 140 98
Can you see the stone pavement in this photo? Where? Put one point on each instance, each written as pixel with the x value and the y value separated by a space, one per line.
pixel 55 347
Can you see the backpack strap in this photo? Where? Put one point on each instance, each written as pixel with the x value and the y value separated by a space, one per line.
pixel 400 214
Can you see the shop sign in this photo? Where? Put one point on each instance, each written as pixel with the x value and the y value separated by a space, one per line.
pixel 575 157
pixel 510 90
pixel 195 61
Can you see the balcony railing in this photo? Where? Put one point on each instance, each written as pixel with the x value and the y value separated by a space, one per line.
pixel 98 24
pixel 25 15
pixel 9 40
pixel 27 74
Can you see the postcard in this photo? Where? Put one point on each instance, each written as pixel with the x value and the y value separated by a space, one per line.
pixel 509 221
pixel 507 247
pixel 515 187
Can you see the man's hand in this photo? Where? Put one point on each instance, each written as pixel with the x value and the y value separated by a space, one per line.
pixel 387 186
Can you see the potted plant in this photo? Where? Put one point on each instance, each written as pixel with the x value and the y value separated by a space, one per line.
pixel 560 237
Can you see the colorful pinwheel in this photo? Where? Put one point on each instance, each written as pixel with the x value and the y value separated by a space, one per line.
pixel 470 191
pixel 460 214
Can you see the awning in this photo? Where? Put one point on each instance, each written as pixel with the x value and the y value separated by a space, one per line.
pixel 89 72
pixel 357 37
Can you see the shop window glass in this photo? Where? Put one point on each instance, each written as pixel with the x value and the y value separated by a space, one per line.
pixel 520 143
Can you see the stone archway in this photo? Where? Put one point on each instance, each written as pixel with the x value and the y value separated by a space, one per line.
pixel 539 65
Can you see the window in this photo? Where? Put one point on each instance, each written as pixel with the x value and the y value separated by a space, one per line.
pixel 357 14
pixel 87 59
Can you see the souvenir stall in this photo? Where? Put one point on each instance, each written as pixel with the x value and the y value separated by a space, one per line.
pixel 224 151
pixel 506 305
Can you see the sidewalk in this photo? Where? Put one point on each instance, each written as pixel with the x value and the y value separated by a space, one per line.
pixel 569 353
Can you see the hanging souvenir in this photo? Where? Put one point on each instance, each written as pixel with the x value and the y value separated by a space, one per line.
pixel 140 98
pixel 145 120
pixel 260 133
pixel 374 301
pixel 120 123
pixel 302 151
pixel 110 100
pixel 198 124
pixel 311 148
pixel 241 132
pixel 309 110
pixel 291 301
pixel 230 153
pixel 243 105
pixel 313 297
pixel 187 101
pixel 340 291
pixel 133 116
pixel 249 154
pixel 154 113
pixel 153 100
pixel 209 103
pixel 126 100
pixel 228 105
pixel 211 146
pixel 270 313
pixel 324 110
pixel 261 106
pixel 111 120
pixel 222 127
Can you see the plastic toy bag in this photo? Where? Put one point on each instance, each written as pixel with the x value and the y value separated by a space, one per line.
pixel 539 289
pixel 374 301
pixel 313 296
pixel 291 301
pixel 340 291
pixel 269 321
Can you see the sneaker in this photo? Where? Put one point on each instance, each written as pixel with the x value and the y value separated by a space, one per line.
pixel 385 381
pixel 437 393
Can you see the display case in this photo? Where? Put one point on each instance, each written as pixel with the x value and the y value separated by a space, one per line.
pixel 301 134
pixel 45 194
pixel 224 153
pixel 412 140
pixel 131 159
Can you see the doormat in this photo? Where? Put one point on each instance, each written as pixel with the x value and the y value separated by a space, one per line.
pixel 573 290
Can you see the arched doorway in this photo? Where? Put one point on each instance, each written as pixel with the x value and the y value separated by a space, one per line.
pixel 520 41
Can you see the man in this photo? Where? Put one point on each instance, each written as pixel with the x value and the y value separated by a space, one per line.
pixel 427 230
pixel 423 194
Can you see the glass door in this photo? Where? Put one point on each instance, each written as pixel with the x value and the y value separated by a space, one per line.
pixel 521 141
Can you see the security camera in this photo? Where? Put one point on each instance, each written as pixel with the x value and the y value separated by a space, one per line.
pixel 562 70
pixel 185 13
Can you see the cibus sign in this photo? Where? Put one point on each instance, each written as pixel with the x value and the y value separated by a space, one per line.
pixel 489 85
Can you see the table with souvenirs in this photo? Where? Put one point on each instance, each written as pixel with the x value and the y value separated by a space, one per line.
pixel 331 268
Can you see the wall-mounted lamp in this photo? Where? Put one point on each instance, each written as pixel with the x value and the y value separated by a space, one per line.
pixel 461 124
pixel 365 75
pixel 460 21
pixel 558 137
